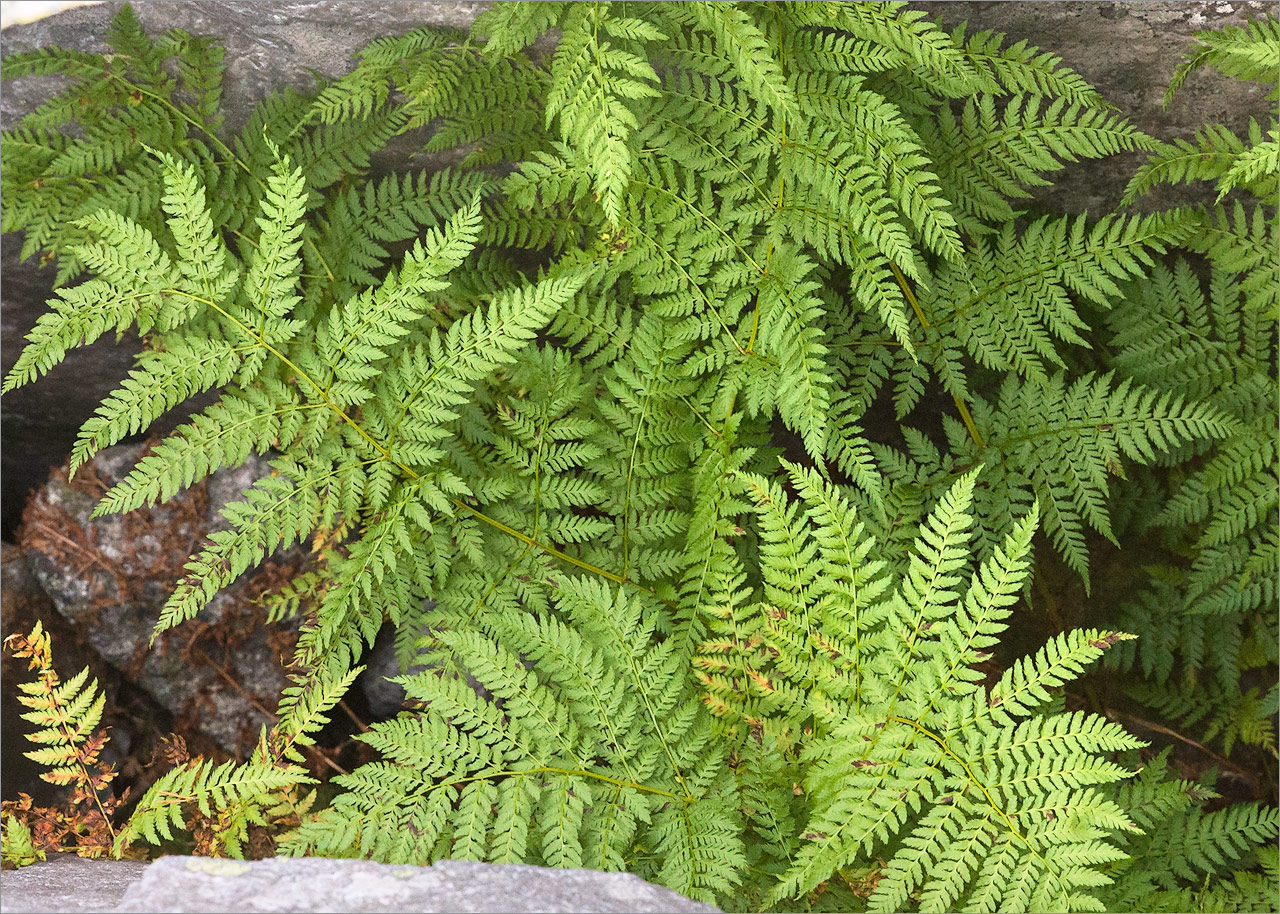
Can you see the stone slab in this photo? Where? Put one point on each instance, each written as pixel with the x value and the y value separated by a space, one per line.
pixel 66 883
pixel 182 884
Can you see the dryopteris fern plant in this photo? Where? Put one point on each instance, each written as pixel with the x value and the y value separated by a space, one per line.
pixel 593 751
pixel 549 388
pixel 1208 623
pixel 1181 854
pixel 597 752
pixel 860 685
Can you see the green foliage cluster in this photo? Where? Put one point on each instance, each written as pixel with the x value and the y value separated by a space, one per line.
pixel 696 425
pixel 17 847
pixel 1207 617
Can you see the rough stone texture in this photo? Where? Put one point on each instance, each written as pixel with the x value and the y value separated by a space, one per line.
pixel 1127 49
pixel 22 600
pixel 203 884
pixel 110 576
pixel 269 45
pixel 39 422
pixel 198 884
pixel 67 884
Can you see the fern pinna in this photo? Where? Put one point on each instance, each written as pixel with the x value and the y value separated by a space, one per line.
pixel 533 410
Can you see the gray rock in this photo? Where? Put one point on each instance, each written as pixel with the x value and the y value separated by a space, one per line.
pixel 269 45
pixel 383 696
pixel 110 576
pixel 66 883
pixel 39 422
pixel 229 484
pixel 201 884
pixel 204 884
pixel 22 600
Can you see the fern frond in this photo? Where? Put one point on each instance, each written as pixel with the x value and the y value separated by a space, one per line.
pixel 18 848
pixel 989 156
pixel 893 25
pixel 303 711
pixel 161 381
pixel 965 785
pixel 1183 852
pixel 560 753
pixel 439 374
pixel 1211 155
pixel 204 269
pixel 79 316
pixel 1221 514
pixel 511 27
pixel 277 511
pixel 593 82
pixel 1021 69
pixel 224 434
pixel 207 788
pixel 68 713
pixel 271 280
pixel 1242 241
pixel 1248 52
pixel 1064 442
pixel 68 741
pixel 741 42
pixel 790 332
pixel 1253 166
pixel 359 333
pixel 1010 301
pixel 595 425
pixel 358 225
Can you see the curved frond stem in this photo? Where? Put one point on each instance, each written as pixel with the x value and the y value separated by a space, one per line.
pixel 965 416
pixel 563 772
pixel 968 773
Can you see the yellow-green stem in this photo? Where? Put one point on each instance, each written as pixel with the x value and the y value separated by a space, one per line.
pixel 961 406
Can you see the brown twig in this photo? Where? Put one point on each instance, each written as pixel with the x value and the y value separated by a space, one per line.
pixel 364 728
pixel 1158 728
pixel 89 550
pixel 249 696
